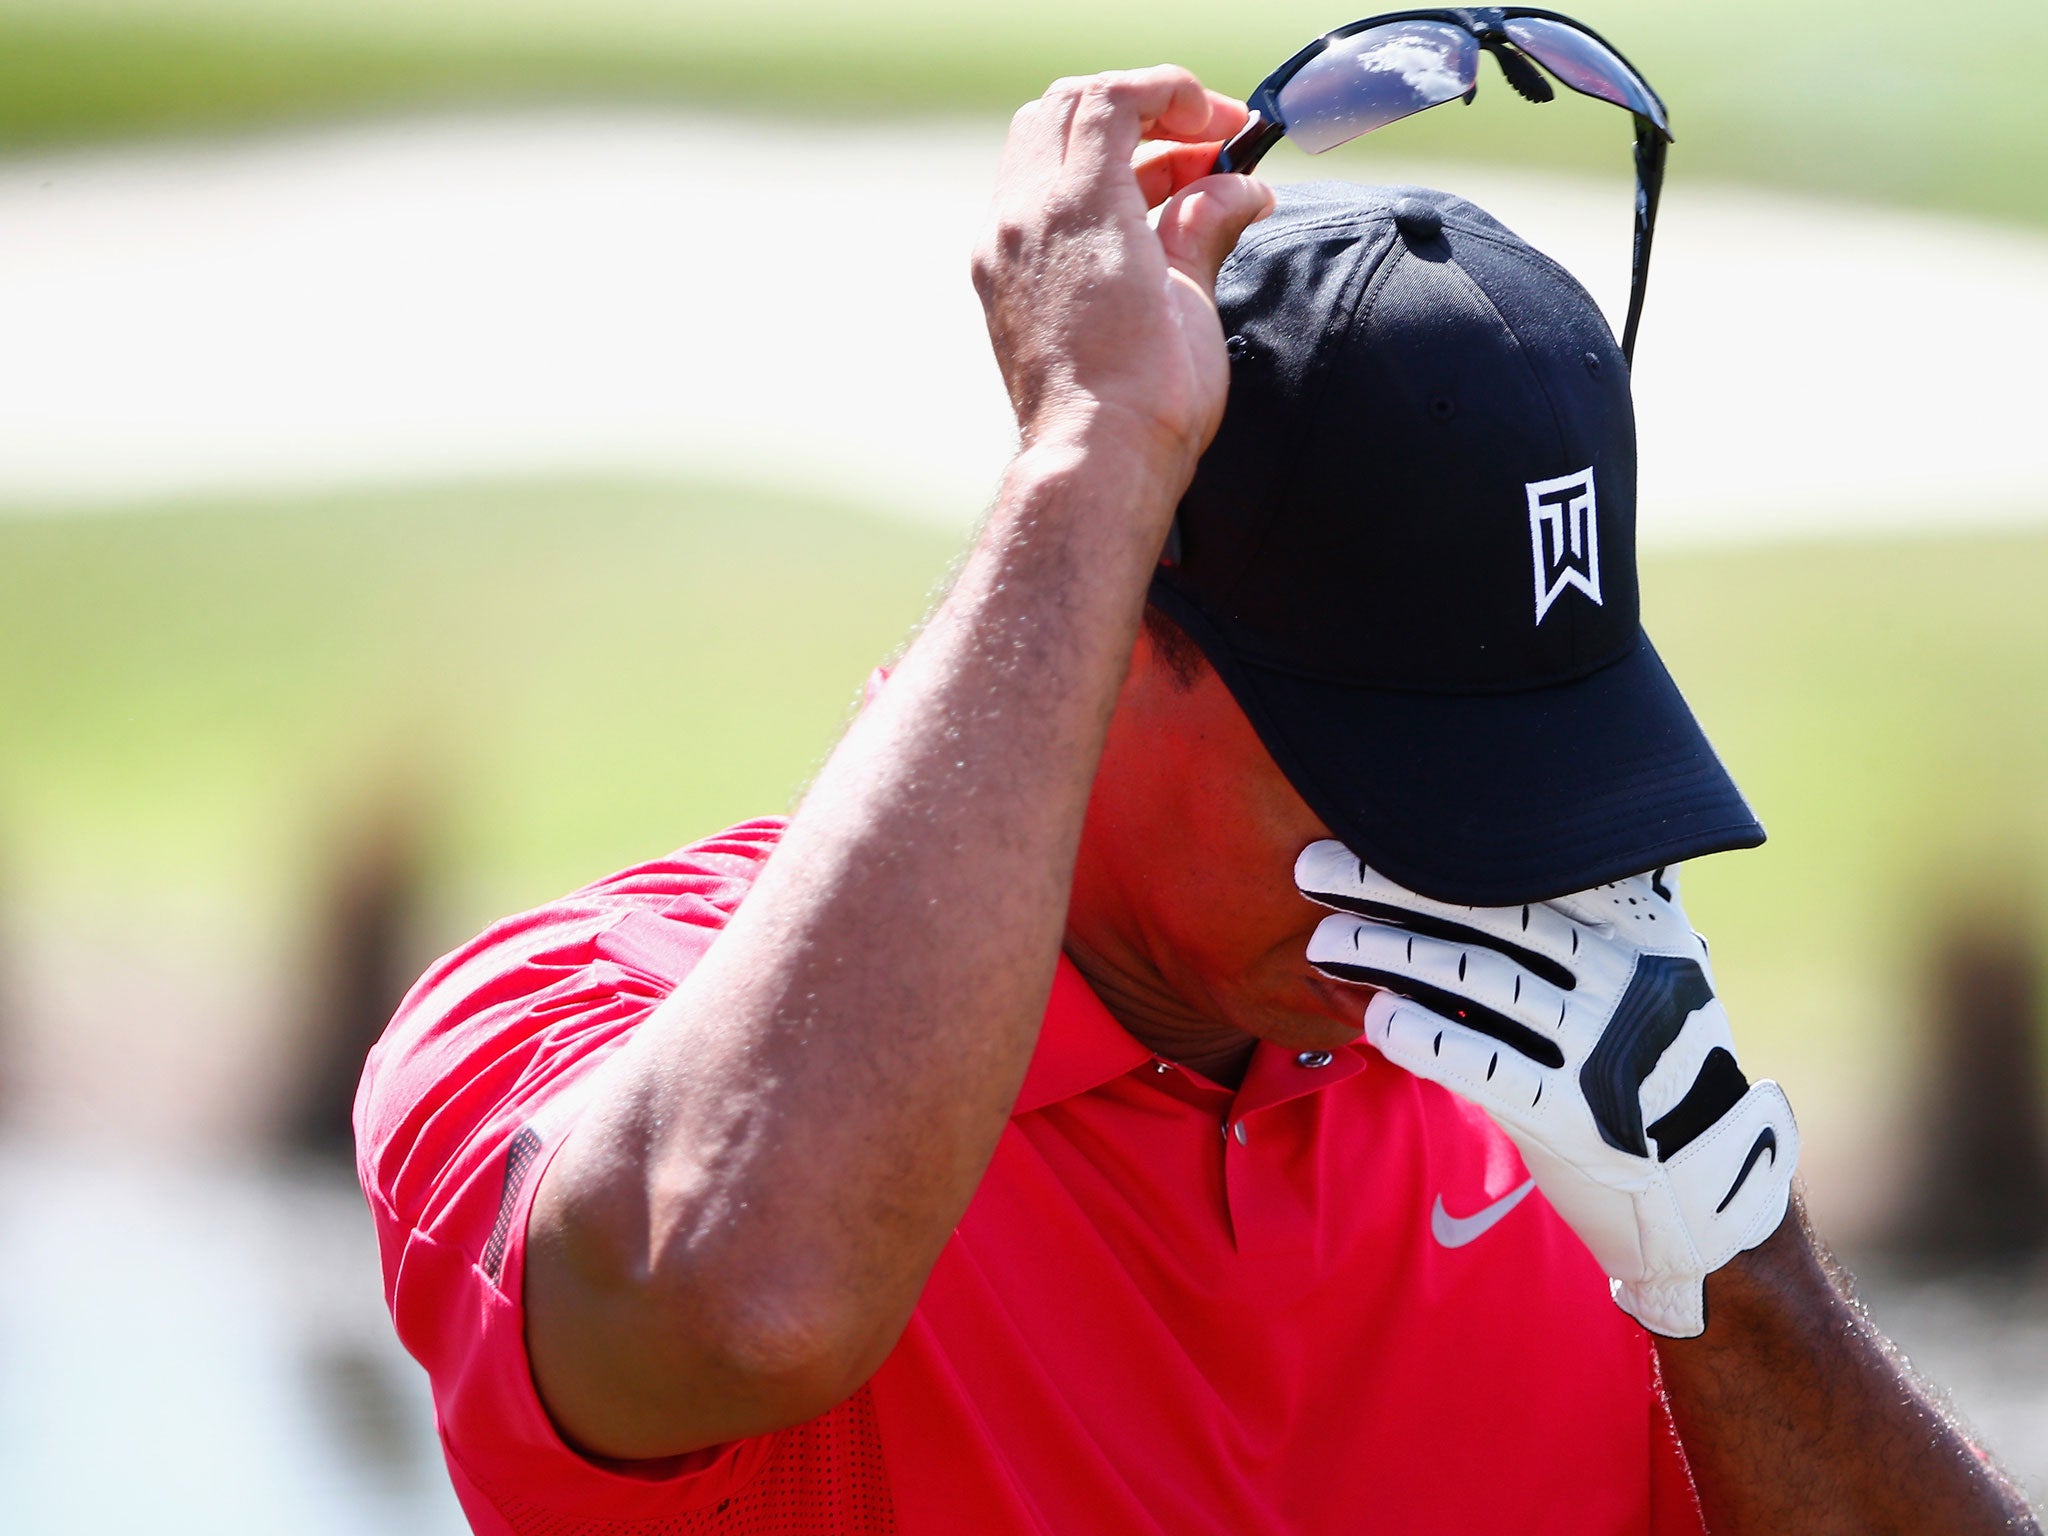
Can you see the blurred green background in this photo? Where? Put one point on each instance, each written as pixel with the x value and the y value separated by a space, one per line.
pixel 209 703
pixel 566 678
pixel 573 677
pixel 1876 100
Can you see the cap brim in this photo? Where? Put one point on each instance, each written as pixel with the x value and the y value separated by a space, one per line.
pixel 1495 799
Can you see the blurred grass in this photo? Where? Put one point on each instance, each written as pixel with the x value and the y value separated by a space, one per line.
pixel 570 678
pixel 1880 703
pixel 1870 100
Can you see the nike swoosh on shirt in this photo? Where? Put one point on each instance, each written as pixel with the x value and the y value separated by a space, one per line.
pixel 1457 1231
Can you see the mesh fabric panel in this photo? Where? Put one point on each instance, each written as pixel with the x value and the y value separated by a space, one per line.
pixel 824 1478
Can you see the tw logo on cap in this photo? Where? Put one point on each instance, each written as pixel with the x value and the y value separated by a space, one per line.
pixel 1564 537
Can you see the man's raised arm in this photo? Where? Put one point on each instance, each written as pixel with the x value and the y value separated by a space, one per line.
pixel 738 1230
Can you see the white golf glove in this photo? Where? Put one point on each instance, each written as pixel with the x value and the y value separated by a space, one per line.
pixel 1587 1027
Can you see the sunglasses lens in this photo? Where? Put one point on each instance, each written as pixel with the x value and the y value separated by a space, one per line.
pixel 1584 64
pixel 1376 77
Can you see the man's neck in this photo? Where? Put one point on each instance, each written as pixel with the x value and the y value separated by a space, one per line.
pixel 1162 1022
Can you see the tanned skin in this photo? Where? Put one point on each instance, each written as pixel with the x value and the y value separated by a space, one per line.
pixel 735 1234
pixel 739 1228
pixel 1797 1414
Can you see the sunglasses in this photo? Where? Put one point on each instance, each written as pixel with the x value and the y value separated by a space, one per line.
pixel 1380 70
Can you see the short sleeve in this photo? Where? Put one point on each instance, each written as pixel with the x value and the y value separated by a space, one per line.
pixel 475 1085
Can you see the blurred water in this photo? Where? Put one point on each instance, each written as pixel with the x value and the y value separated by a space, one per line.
pixel 203 1349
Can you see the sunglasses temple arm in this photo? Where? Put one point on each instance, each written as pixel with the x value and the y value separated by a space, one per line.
pixel 1651 146
pixel 1248 146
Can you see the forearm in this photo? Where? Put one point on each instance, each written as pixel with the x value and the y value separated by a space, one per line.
pixel 876 1000
pixel 737 1231
pixel 1794 1414
pixel 1797 1418
pixel 774 1162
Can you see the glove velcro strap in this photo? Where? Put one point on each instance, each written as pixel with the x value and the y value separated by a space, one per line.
pixel 1730 1188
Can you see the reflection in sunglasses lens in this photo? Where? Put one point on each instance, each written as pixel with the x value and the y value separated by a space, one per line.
pixel 1376 77
pixel 1582 63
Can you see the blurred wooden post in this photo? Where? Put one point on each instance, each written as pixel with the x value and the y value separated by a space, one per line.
pixel 12 1030
pixel 1981 1198
pixel 365 957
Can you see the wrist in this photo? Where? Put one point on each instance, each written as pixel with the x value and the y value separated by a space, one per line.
pixel 1769 1287
pixel 1112 490
pixel 1116 441
pixel 1786 1263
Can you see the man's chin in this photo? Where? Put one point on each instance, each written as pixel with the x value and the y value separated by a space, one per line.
pixel 1341 1007
pixel 1326 1016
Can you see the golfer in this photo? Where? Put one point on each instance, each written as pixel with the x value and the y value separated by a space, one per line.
pixel 1218 1049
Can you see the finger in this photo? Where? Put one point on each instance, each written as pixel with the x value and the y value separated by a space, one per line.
pixel 1691 1074
pixel 1204 116
pixel 1507 1086
pixel 1472 972
pixel 1202 222
pixel 1381 957
pixel 1537 935
pixel 1165 101
pixel 1111 113
pixel 1645 907
pixel 1035 148
pixel 1664 880
pixel 1163 169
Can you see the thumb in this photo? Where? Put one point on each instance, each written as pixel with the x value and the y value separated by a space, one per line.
pixel 1201 222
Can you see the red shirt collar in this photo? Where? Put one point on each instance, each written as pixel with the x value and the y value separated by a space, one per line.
pixel 1080 1045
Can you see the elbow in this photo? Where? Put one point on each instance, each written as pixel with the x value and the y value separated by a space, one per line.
pixel 791 1355
pixel 734 1365
pixel 647 1351
pixel 782 1325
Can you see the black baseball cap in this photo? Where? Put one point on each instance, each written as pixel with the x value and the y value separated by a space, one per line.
pixel 1410 555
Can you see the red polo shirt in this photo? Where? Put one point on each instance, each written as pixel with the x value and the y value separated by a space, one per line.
pixel 1170 1308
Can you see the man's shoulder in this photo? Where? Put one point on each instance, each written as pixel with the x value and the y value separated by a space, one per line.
pixel 533 1001
pixel 656 917
pixel 697 887
pixel 718 870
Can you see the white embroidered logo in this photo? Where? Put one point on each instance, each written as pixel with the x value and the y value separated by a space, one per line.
pixel 1564 538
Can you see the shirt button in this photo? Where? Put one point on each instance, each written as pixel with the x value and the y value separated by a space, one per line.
pixel 1237 1132
pixel 1162 1066
pixel 1314 1059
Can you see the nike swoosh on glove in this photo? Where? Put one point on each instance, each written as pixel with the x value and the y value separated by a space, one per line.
pixel 1588 1028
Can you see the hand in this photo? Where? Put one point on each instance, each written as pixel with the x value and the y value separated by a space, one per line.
pixel 1588 1028
pixel 1092 312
